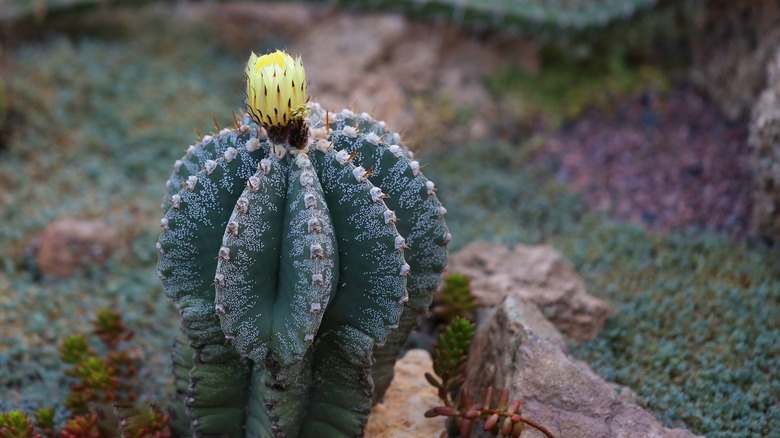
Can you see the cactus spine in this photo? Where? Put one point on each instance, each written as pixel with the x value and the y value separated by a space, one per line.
pixel 282 248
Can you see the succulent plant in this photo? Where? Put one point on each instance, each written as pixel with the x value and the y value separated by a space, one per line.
pixel 503 418
pixel 16 424
pixel 300 247
pixel 454 298
pixel 529 14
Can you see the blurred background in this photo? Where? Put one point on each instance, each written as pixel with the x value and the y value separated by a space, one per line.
pixel 640 138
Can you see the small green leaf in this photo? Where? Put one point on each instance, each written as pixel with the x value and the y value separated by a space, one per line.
pixel 452 350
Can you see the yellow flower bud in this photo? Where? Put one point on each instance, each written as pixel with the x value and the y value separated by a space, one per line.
pixel 275 88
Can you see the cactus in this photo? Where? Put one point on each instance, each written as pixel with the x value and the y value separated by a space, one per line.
pixel 282 248
pixel 531 15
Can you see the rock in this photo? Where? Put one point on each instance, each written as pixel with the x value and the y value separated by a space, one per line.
pixel 244 26
pixel 765 156
pixel 731 44
pixel 347 62
pixel 565 396
pixel 386 64
pixel 67 246
pixel 400 415
pixel 539 274
pixel 422 78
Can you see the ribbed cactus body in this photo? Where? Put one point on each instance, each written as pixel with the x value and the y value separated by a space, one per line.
pixel 527 15
pixel 291 274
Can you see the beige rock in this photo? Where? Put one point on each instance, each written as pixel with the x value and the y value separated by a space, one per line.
pixel 67 246
pixel 376 62
pixel 765 156
pixel 427 79
pixel 539 274
pixel 400 415
pixel 563 395
pixel 342 53
pixel 731 44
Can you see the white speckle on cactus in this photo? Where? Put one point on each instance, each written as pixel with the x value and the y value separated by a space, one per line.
pixel 415 165
pixel 224 133
pixel 164 224
pixel 410 154
pixel 314 225
pixel 400 243
pixel 350 131
pixel 232 228
pixel 390 217
pixel 447 238
pixel 396 150
pixel 376 194
pixel 382 124
pixel 373 138
pixel 342 157
pixel 206 140
pixel 224 254
pixel 309 337
pixel 190 151
pixel 316 251
pixel 209 166
pixel 441 212
pixel 191 181
pixel 161 276
pixel 175 201
pixel 262 134
pixel 242 205
pixel 430 186
pixel 220 309
pixel 219 280
pixel 307 178
pixel 309 201
pixel 405 269
pixel 177 165
pixel 229 339
pixel 252 144
pixel 264 165
pixel 347 114
pixel 253 183
pixel 315 307
pixel 360 173
pixel 230 154
pixel 367 117
pixel 404 299
pixel 160 248
pixel 243 129
pixel 317 280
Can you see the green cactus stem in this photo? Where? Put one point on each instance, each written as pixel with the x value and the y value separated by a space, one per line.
pixel 299 270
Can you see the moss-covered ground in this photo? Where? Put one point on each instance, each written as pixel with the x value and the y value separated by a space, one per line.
pixel 95 122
